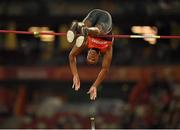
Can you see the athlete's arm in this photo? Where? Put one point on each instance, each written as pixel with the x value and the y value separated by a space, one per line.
pixel 104 70
pixel 73 65
pixel 105 67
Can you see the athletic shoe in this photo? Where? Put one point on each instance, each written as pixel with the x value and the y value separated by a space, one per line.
pixel 83 36
pixel 71 33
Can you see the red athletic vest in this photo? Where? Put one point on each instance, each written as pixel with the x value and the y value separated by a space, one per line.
pixel 98 43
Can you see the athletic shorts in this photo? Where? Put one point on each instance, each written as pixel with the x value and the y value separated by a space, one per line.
pixel 100 17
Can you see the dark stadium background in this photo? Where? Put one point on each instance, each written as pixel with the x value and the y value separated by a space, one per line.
pixel 142 89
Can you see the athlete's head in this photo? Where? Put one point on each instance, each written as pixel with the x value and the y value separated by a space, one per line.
pixel 93 55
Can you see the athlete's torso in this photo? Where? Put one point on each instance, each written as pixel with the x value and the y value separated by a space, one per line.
pixel 99 43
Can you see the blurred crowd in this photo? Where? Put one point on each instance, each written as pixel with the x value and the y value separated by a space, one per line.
pixel 150 103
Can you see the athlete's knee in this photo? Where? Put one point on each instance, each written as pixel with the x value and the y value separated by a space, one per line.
pixel 87 23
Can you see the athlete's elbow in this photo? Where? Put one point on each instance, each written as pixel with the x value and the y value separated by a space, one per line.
pixel 71 57
pixel 105 69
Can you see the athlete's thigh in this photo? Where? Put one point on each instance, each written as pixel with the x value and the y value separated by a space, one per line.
pixel 91 19
pixel 104 23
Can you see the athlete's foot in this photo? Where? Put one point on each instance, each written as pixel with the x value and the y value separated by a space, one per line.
pixel 81 39
pixel 71 33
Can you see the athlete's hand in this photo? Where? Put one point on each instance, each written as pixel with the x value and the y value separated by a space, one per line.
pixel 76 83
pixel 93 92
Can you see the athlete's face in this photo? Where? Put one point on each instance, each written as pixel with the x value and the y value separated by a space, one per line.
pixel 92 56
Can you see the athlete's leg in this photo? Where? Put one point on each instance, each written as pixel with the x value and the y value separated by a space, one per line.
pixel 98 22
pixel 76 26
